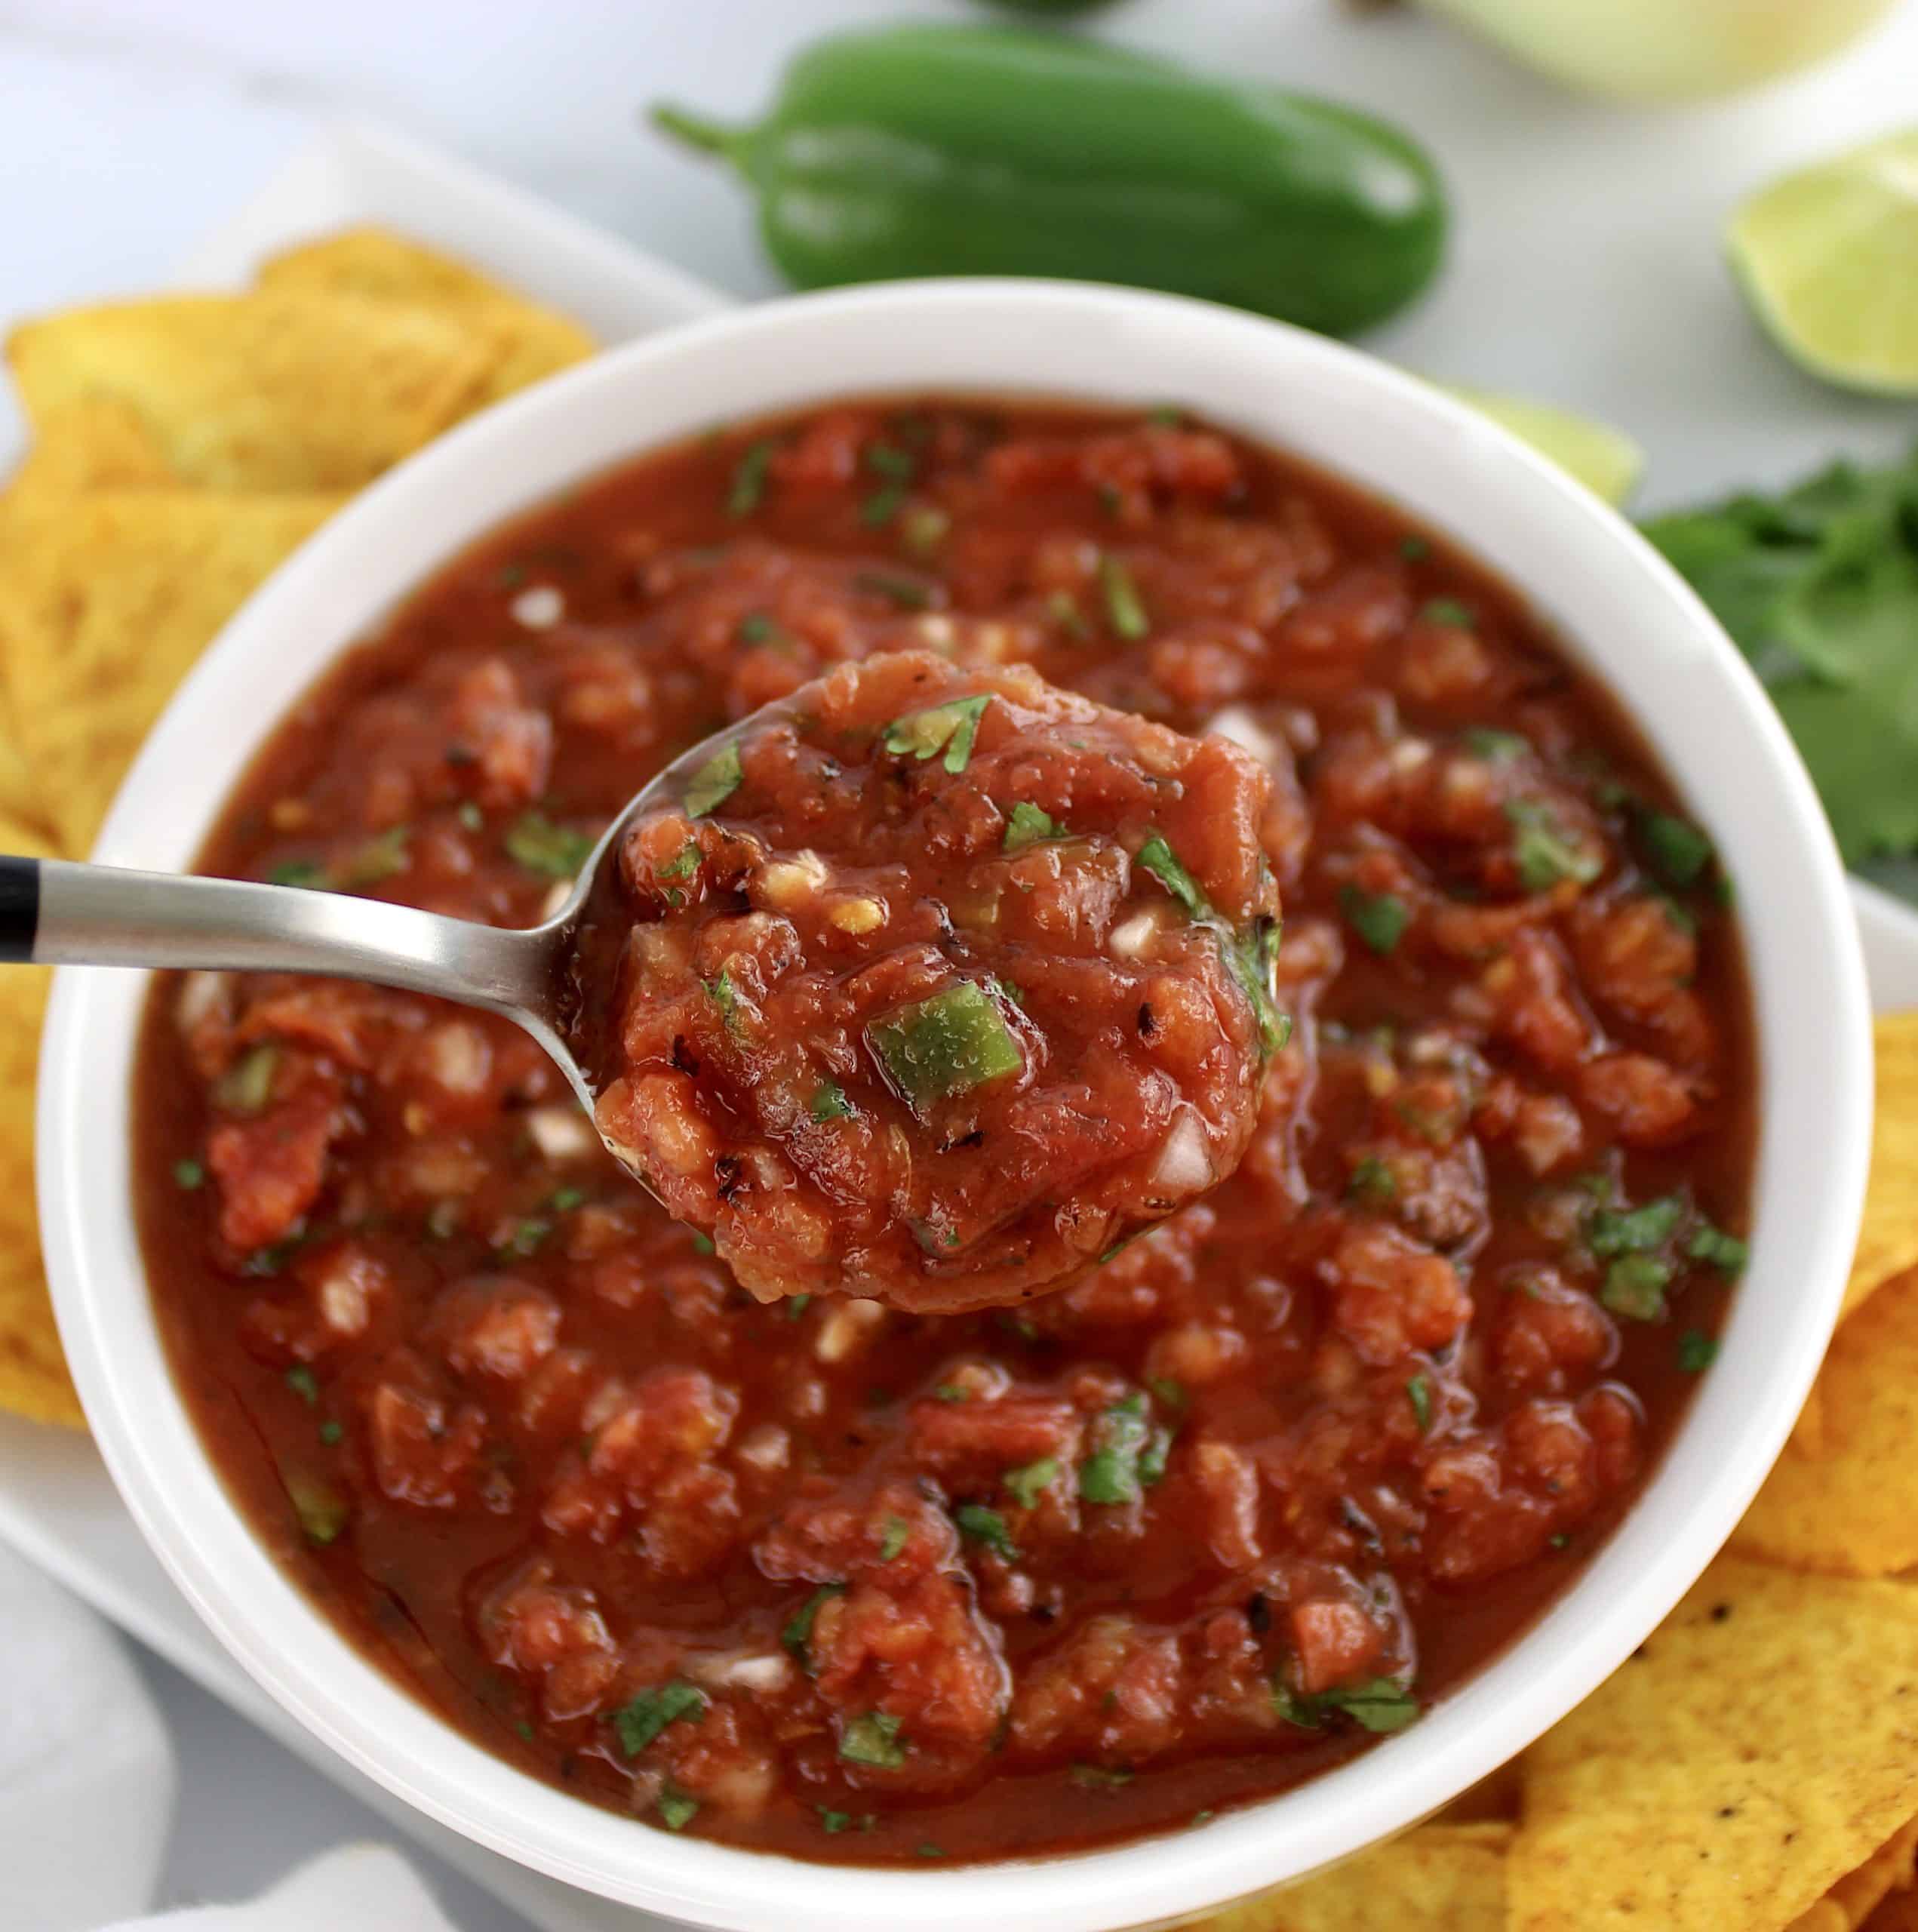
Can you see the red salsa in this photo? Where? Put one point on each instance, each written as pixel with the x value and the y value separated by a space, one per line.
pixel 936 986
pixel 856 1583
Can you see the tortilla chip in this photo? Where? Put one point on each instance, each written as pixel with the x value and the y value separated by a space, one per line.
pixel 1849 1506
pixel 1851 1901
pixel 33 1377
pixel 103 607
pixel 528 341
pixel 1898 1913
pixel 97 443
pixel 1449 1876
pixel 1888 1240
pixel 1762 1744
pixel 291 390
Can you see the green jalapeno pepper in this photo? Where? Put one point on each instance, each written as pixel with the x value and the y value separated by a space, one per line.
pixel 927 150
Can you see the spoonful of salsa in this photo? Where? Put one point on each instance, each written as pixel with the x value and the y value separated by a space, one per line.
pixel 924 984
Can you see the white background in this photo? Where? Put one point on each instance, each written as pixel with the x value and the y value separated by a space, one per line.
pixel 1585 269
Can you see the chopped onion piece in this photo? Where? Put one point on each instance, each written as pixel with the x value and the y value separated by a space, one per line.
pixel 1237 724
pixel 561 1133
pixel 1185 1162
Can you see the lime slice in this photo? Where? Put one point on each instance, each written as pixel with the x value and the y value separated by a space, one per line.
pixel 1605 460
pixel 1829 259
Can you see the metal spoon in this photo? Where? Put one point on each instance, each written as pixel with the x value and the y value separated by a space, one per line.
pixel 53 912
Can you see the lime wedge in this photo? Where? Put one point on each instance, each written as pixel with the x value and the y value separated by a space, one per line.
pixel 1605 460
pixel 1828 257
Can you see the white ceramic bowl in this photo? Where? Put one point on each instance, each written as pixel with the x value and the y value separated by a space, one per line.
pixel 1619 610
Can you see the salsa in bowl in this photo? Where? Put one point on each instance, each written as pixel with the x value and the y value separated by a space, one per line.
pixel 1372 1450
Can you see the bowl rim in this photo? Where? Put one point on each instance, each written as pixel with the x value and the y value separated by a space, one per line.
pixel 1618 608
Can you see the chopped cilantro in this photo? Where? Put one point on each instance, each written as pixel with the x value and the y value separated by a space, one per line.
pixel 524 1237
pixel 330 1431
pixel 382 857
pixel 299 1380
pixel 834 1822
pixel 1027 1483
pixel 1124 612
pixel 1028 826
pixel 677 1810
pixel 1379 1704
pixel 556 851
pixel 1635 1286
pixel 1163 863
pixel 1372 1182
pixel 1495 747
pixel 1675 849
pixel 702 1244
pixel 1419 1391
pixel 1634 1231
pixel 928 1850
pixel 1097 1777
pixel 470 815
pixel 1697 1351
pixel 951 728
pixel 188 1175
pixel 684 864
pixel 725 996
pixel 1170 1392
pixel 883 505
pixel 1379 918
pixel 797 1306
pixel 299 872
pixel 1448 611
pixel 898 1532
pixel 639 1722
pixel 1725 1252
pixel 1543 854
pixel 1111 1475
pixel 713 783
pixel 979 1525
pixel 563 1200
pixel 882 459
pixel 748 486
pixel 953 1392
pixel 798 1632
pixel 757 627
pixel 872 1738
pixel 1413 549
pixel 829 1102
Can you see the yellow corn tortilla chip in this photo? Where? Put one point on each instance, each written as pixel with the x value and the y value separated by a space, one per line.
pixel 99 442
pixel 276 390
pixel 1888 1240
pixel 1849 1505
pixel 1898 1913
pixel 1762 1744
pixel 1852 1900
pixel 1448 1878
pixel 104 605
pixel 529 341
pixel 33 1377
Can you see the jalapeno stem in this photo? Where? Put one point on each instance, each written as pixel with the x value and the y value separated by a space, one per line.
pixel 698 132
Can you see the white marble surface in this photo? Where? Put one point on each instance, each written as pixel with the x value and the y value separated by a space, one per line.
pixel 1585 270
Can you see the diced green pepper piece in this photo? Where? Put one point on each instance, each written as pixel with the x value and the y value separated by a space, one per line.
pixel 872 1738
pixel 949 1044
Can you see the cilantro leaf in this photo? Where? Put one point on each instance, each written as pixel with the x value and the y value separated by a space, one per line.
pixel 1818 587
pixel 639 1722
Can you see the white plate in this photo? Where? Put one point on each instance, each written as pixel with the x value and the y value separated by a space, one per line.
pixel 56 1504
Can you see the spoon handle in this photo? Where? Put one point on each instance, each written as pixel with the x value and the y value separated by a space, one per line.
pixel 59 913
